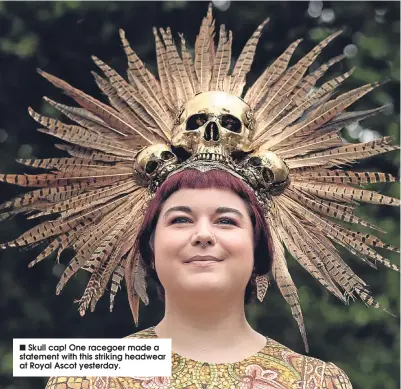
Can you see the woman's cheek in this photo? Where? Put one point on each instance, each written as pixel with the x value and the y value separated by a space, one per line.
pixel 169 249
pixel 236 242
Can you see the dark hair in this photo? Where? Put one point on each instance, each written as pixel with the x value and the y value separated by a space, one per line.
pixel 194 179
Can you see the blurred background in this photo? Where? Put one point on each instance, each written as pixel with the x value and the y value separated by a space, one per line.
pixel 60 37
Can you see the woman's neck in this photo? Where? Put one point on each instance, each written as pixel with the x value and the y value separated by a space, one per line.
pixel 216 331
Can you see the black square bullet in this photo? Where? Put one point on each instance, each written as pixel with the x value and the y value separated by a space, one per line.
pixel 22 347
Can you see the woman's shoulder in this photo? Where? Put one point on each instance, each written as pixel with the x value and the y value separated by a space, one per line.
pixel 95 382
pixel 69 383
pixel 84 383
pixel 326 375
pixel 148 333
pixel 334 377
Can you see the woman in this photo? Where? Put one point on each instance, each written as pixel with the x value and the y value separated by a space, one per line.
pixel 217 216
pixel 194 139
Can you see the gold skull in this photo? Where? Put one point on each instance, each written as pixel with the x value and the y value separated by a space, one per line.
pixel 214 122
pixel 272 170
pixel 151 159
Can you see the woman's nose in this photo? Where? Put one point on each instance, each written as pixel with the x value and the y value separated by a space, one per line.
pixel 203 236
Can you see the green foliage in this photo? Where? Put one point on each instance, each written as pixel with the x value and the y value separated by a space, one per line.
pixel 60 37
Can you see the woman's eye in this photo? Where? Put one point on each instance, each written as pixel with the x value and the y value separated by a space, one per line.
pixel 178 218
pixel 230 221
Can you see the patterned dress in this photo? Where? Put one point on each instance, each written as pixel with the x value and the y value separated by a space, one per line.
pixel 274 367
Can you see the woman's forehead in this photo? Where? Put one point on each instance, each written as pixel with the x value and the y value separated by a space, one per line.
pixel 209 198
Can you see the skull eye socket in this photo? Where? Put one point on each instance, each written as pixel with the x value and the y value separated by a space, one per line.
pixel 255 161
pixel 196 121
pixel 166 155
pixel 268 175
pixel 151 167
pixel 231 123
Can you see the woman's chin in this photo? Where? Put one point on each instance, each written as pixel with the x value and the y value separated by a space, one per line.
pixel 204 284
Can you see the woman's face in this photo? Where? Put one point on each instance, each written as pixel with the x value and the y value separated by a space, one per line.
pixel 191 217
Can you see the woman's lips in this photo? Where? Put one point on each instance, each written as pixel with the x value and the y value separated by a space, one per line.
pixel 202 263
pixel 204 258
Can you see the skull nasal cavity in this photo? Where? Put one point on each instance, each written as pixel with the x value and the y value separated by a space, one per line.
pixel 211 132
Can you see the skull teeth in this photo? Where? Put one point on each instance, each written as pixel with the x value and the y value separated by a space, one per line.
pixel 210 157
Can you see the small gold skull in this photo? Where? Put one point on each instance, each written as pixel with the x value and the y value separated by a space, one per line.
pixel 153 158
pixel 271 169
pixel 214 122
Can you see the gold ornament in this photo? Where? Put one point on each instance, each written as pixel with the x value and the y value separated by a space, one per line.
pixel 213 123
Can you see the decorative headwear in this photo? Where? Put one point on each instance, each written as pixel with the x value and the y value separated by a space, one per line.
pixel 281 137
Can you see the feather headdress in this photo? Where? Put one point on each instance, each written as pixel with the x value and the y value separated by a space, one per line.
pixel 281 137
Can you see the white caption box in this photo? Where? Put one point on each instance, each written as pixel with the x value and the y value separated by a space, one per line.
pixel 92 357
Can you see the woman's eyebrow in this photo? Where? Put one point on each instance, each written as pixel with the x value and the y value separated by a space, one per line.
pixel 182 208
pixel 228 209
pixel 186 209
